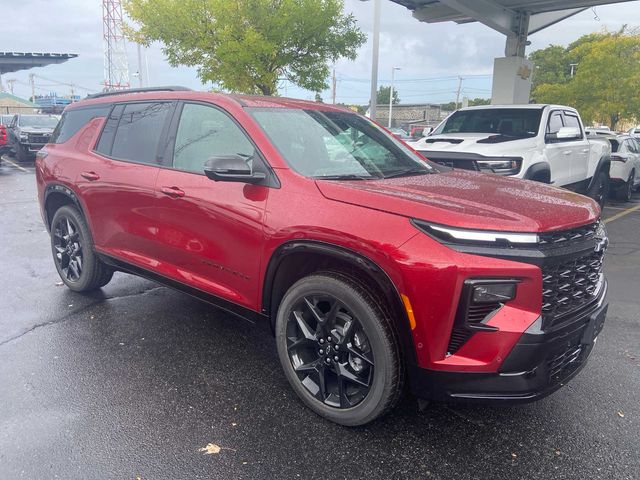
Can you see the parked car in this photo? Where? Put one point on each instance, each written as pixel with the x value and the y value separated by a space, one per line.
pixel 545 143
pixel 595 131
pixel 4 137
pixel 400 133
pixel 635 131
pixel 370 265
pixel 29 133
pixel 625 165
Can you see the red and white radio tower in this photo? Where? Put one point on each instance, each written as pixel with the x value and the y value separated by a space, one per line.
pixel 116 63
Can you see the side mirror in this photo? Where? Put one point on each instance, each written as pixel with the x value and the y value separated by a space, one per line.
pixel 427 131
pixel 231 168
pixel 565 133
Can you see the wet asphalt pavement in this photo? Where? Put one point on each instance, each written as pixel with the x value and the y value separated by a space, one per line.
pixel 133 380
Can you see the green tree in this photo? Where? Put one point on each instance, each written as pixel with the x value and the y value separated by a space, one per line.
pixel 553 66
pixel 605 85
pixel 249 45
pixel 383 95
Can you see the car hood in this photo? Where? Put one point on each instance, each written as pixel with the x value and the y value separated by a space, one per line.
pixel 481 143
pixel 469 200
pixel 36 130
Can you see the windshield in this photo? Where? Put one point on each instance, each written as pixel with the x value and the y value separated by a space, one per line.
pixel 337 145
pixel 41 121
pixel 5 119
pixel 510 122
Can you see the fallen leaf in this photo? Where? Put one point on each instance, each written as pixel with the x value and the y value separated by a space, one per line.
pixel 210 449
pixel 621 415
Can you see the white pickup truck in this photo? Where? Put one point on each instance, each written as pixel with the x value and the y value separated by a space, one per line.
pixel 546 143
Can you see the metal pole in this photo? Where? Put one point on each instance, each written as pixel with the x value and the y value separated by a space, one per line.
pixel 373 100
pixel 333 89
pixel 393 71
pixel 140 82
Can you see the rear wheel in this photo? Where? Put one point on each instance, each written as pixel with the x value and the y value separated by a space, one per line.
pixel 625 192
pixel 599 189
pixel 72 247
pixel 338 349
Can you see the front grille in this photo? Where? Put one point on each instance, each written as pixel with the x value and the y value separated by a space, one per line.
pixel 39 137
pixel 569 286
pixel 566 359
pixel 567 237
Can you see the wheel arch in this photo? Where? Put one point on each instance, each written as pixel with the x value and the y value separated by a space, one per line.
pixel 296 259
pixel 604 165
pixel 57 195
pixel 540 169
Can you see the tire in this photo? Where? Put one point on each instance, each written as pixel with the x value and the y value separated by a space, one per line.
pixel 625 192
pixel 72 247
pixel 22 154
pixel 599 189
pixel 357 382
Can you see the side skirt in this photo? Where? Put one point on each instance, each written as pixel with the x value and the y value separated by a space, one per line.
pixel 251 316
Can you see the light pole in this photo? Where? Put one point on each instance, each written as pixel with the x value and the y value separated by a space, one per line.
pixel 393 71
pixel 373 101
pixel 573 68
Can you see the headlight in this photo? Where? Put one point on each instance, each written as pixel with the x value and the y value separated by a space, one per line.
pixel 458 235
pixel 503 166
pixel 24 136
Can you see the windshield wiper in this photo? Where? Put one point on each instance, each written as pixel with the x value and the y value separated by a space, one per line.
pixel 347 176
pixel 408 172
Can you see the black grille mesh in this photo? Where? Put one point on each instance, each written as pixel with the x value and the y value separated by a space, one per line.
pixel 39 138
pixel 568 286
pixel 567 237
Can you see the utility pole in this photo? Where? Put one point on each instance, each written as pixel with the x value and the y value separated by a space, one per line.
pixel 333 87
pixel 32 81
pixel 393 71
pixel 140 82
pixel 73 93
pixel 373 101
pixel 459 90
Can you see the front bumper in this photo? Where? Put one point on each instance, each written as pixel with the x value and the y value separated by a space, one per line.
pixel 539 364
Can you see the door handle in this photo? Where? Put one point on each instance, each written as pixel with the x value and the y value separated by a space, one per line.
pixel 567 152
pixel 173 192
pixel 91 176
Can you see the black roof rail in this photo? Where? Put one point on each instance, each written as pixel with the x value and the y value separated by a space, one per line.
pixel 140 90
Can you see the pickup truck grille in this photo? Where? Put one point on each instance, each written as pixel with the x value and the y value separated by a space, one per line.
pixel 39 137
pixel 569 286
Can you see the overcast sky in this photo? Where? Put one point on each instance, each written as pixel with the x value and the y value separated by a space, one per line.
pixel 431 56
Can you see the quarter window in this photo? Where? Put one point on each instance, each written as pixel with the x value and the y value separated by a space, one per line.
pixel 204 132
pixel 74 120
pixel 139 132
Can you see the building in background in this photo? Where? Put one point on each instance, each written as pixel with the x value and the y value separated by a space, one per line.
pixel 406 114
pixel 53 103
pixel 11 104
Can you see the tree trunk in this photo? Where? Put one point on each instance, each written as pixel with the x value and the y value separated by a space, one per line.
pixel 614 117
pixel 265 89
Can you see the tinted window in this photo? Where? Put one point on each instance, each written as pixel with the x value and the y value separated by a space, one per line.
pixel 109 131
pixel 555 123
pixel 516 122
pixel 615 145
pixel 337 145
pixel 139 132
pixel 74 120
pixel 206 131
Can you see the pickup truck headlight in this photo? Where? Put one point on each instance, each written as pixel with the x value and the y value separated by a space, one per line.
pixel 24 136
pixel 502 166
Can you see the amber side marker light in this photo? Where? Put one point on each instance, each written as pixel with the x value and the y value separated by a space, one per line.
pixel 409 309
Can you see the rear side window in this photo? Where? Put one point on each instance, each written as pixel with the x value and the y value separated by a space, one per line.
pixel 572 121
pixel 74 120
pixel 139 130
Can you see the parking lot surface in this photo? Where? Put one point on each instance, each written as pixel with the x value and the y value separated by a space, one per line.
pixel 132 381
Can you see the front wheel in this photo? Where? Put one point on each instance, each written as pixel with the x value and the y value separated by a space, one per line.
pixel 338 349
pixel 78 266
pixel 599 189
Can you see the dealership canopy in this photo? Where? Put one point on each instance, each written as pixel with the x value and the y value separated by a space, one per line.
pixel 517 19
pixel 14 61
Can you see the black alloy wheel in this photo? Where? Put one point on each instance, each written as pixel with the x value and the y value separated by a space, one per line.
pixel 625 193
pixel 329 351
pixel 338 348
pixel 72 246
pixel 67 243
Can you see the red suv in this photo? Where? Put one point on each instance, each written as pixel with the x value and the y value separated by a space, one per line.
pixel 370 265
